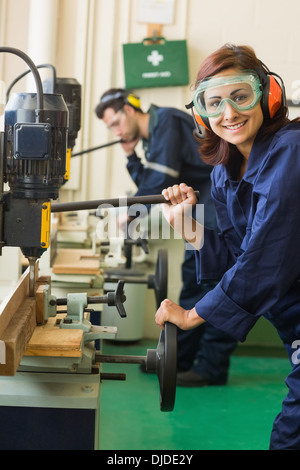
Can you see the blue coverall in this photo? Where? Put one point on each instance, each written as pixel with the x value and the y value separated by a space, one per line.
pixel 172 157
pixel 256 257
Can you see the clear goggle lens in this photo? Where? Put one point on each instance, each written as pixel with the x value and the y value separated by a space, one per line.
pixel 241 91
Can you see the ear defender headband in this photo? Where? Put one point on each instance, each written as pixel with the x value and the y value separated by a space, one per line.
pixel 273 96
pixel 127 97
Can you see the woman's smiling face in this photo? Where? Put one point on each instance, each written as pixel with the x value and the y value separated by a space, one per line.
pixel 235 126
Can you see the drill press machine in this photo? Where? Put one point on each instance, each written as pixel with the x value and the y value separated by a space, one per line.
pixel 33 164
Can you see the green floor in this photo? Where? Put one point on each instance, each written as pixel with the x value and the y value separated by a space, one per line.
pixel 238 416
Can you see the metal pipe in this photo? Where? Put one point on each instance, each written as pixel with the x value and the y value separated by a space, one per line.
pixel 112 376
pixel 117 359
pixel 90 300
pixel 127 279
pixel 33 68
pixel 114 202
pixel 76 154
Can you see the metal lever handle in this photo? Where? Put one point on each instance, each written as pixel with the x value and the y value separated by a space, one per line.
pixel 98 147
pixel 114 202
pixel 116 298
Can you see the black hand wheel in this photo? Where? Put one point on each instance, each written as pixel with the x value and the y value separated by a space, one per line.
pixel 159 280
pixel 162 360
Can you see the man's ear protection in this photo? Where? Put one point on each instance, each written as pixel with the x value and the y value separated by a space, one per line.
pixel 273 96
pixel 128 98
pixel 133 100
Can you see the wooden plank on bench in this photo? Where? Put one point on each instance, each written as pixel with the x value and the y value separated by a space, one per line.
pixel 74 261
pixel 17 324
pixel 13 300
pixel 51 340
pixel 17 335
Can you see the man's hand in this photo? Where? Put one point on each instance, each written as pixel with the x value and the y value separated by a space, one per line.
pixel 129 147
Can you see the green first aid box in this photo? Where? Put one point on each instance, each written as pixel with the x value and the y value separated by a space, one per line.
pixel 148 64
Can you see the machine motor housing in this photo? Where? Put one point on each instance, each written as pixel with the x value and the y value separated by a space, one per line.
pixel 35 150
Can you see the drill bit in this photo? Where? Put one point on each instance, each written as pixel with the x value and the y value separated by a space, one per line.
pixel 32 261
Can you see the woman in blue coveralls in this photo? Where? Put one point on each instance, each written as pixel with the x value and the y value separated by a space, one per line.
pixel 255 257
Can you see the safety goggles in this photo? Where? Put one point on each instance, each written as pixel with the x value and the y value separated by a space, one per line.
pixel 241 91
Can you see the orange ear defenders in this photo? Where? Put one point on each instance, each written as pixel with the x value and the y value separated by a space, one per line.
pixel 201 121
pixel 198 121
pixel 273 96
